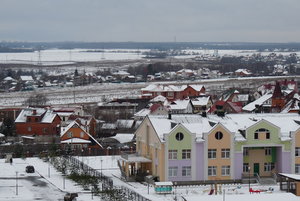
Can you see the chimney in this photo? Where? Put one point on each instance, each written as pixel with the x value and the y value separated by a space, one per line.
pixel 169 115
pixel 203 111
pixel 34 112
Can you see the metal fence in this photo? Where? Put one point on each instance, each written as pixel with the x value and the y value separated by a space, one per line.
pixel 119 193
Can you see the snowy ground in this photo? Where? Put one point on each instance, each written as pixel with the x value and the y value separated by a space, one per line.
pixel 190 193
pixel 44 186
pixel 35 186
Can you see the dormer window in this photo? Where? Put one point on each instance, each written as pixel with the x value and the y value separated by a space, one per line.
pixel 262 134
pixel 179 136
pixel 219 135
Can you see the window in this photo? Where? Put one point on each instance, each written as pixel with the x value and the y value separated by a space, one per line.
pixel 297 168
pixel 173 171
pixel 225 153
pixel 29 119
pixel 262 131
pixel 81 134
pixel 36 119
pixel 172 154
pixel 44 130
pixel 297 151
pixel 246 152
pixel 186 154
pixel 219 135
pixel 70 134
pixel 245 167
pixel 268 151
pixel 268 167
pixel 226 170
pixel 29 128
pixel 212 153
pixel 170 94
pixel 186 171
pixel 179 136
pixel 212 170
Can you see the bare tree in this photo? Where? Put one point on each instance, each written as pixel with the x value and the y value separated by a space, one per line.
pixel 36 99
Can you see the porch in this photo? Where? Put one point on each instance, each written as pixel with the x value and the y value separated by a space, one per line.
pixel 134 167
pixel 290 183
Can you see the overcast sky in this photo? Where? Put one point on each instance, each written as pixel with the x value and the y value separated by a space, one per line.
pixel 150 20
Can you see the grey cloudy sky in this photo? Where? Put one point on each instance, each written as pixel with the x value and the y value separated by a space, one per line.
pixel 150 20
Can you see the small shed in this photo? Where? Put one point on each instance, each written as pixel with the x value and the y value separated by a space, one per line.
pixel 163 187
pixel 290 183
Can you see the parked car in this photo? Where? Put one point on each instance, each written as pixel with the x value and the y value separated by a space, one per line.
pixel 29 169
pixel 70 196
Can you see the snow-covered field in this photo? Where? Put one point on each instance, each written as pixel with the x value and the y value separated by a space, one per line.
pixel 44 186
pixel 63 56
pixel 69 56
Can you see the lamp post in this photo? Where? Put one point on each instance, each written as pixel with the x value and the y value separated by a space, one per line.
pixel 17 183
pixel 49 168
pixel 101 168
pixel 249 168
pixel 148 181
pixel 175 183
pixel 64 181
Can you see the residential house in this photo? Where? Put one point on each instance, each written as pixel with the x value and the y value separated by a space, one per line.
pixel 202 104
pixel 181 107
pixel 173 92
pixel 75 137
pixel 41 123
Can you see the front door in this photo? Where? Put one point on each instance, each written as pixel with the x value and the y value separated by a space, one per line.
pixel 256 168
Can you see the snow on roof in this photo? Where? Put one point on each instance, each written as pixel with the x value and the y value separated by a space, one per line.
pixel 165 183
pixel 292 176
pixel 142 113
pixel 166 88
pixel 109 126
pixel 179 104
pixel 8 79
pixel 197 87
pixel 48 117
pixel 233 122
pixel 123 137
pixel 158 98
pixel 135 158
pixel 259 101
pixel 26 78
pixel 200 101
pixel 124 123
pixel 236 122
pixel 75 140
pixel 28 137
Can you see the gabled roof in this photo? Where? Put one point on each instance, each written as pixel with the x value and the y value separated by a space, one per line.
pixel 158 98
pixel 26 78
pixel 251 106
pixel 71 125
pixel 170 88
pixel 234 123
pixel 179 104
pixel 47 115
pixel 200 101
